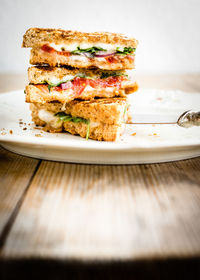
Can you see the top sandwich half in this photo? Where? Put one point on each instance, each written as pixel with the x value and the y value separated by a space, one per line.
pixel 56 47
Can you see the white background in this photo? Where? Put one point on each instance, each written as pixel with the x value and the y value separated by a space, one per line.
pixel 168 30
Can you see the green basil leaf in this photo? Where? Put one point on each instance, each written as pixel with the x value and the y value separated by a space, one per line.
pixel 126 50
pixel 92 50
pixel 81 75
pixel 88 130
pixel 64 117
pixel 68 118
pixel 50 85
pixel 112 74
pixel 89 50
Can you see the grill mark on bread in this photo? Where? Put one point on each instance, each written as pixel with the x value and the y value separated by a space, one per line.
pixel 105 110
pixel 39 36
pixel 100 131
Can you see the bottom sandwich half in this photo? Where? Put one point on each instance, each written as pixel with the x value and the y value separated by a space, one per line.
pixel 99 119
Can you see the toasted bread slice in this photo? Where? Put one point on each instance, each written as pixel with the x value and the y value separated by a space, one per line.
pixel 105 110
pixel 57 47
pixel 40 36
pixel 101 119
pixel 39 74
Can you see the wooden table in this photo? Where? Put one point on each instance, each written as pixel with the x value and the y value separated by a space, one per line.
pixel 60 219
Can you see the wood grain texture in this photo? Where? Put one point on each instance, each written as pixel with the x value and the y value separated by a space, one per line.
pixel 12 81
pixel 15 174
pixel 109 212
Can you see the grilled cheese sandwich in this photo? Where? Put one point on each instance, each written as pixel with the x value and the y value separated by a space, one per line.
pixel 64 85
pixel 57 47
pixel 101 119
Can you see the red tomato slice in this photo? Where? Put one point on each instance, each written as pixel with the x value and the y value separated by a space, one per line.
pixel 43 88
pixel 47 48
pixel 79 84
pixel 111 59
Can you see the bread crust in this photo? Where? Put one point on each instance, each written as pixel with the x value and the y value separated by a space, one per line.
pixel 39 57
pixel 38 36
pixel 105 110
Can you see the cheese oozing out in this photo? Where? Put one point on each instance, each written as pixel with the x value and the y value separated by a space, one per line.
pixel 55 80
pixel 50 118
pixel 80 57
pixel 54 121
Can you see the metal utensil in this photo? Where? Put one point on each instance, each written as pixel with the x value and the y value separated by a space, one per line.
pixel 187 119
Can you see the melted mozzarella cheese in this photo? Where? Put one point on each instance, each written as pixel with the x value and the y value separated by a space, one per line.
pixel 81 58
pixel 88 88
pixel 54 80
pixel 100 59
pixel 54 121
pixel 107 89
pixel 50 118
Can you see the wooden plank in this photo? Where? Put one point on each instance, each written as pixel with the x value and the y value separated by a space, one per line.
pixel 15 173
pixel 12 81
pixel 109 212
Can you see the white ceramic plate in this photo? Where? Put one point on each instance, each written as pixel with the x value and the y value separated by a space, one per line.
pixel 152 143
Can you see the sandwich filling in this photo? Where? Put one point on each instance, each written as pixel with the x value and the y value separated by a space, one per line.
pixel 63 117
pixel 77 84
pixel 56 120
pixel 106 52
pixel 71 86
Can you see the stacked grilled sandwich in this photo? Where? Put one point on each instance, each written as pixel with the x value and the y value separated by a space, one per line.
pixel 79 82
